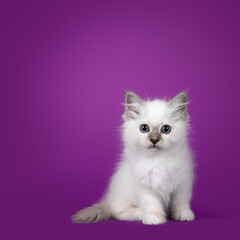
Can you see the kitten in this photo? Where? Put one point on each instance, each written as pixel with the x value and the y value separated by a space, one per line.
pixel 155 176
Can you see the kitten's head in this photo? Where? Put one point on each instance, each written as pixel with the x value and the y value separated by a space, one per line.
pixel 155 125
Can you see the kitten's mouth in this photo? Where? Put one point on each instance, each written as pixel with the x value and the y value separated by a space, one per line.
pixel 154 147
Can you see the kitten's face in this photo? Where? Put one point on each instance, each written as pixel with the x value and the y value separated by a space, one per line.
pixel 154 125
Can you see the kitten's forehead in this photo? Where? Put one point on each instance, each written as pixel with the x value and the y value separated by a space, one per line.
pixel 156 111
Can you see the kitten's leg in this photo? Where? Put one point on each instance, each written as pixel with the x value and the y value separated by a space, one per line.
pixel 153 212
pixel 180 207
pixel 128 213
pixel 123 209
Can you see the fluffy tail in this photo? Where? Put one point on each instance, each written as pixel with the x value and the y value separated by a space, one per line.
pixel 97 213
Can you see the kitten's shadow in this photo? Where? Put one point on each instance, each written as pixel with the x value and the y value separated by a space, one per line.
pixel 210 215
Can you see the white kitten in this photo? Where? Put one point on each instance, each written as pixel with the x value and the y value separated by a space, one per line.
pixel 154 178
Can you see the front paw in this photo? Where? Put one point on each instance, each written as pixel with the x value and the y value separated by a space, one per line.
pixel 183 215
pixel 154 219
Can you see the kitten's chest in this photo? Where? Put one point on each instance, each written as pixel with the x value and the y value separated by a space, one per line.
pixel 162 177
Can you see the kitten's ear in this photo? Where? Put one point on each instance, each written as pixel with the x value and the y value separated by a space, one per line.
pixel 133 105
pixel 179 106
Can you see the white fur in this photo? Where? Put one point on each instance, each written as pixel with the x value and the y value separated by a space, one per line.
pixel 150 182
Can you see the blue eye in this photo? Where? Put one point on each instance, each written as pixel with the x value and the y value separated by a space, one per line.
pixel 144 128
pixel 166 129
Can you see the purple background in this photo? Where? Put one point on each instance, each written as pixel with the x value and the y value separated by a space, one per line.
pixel 65 66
